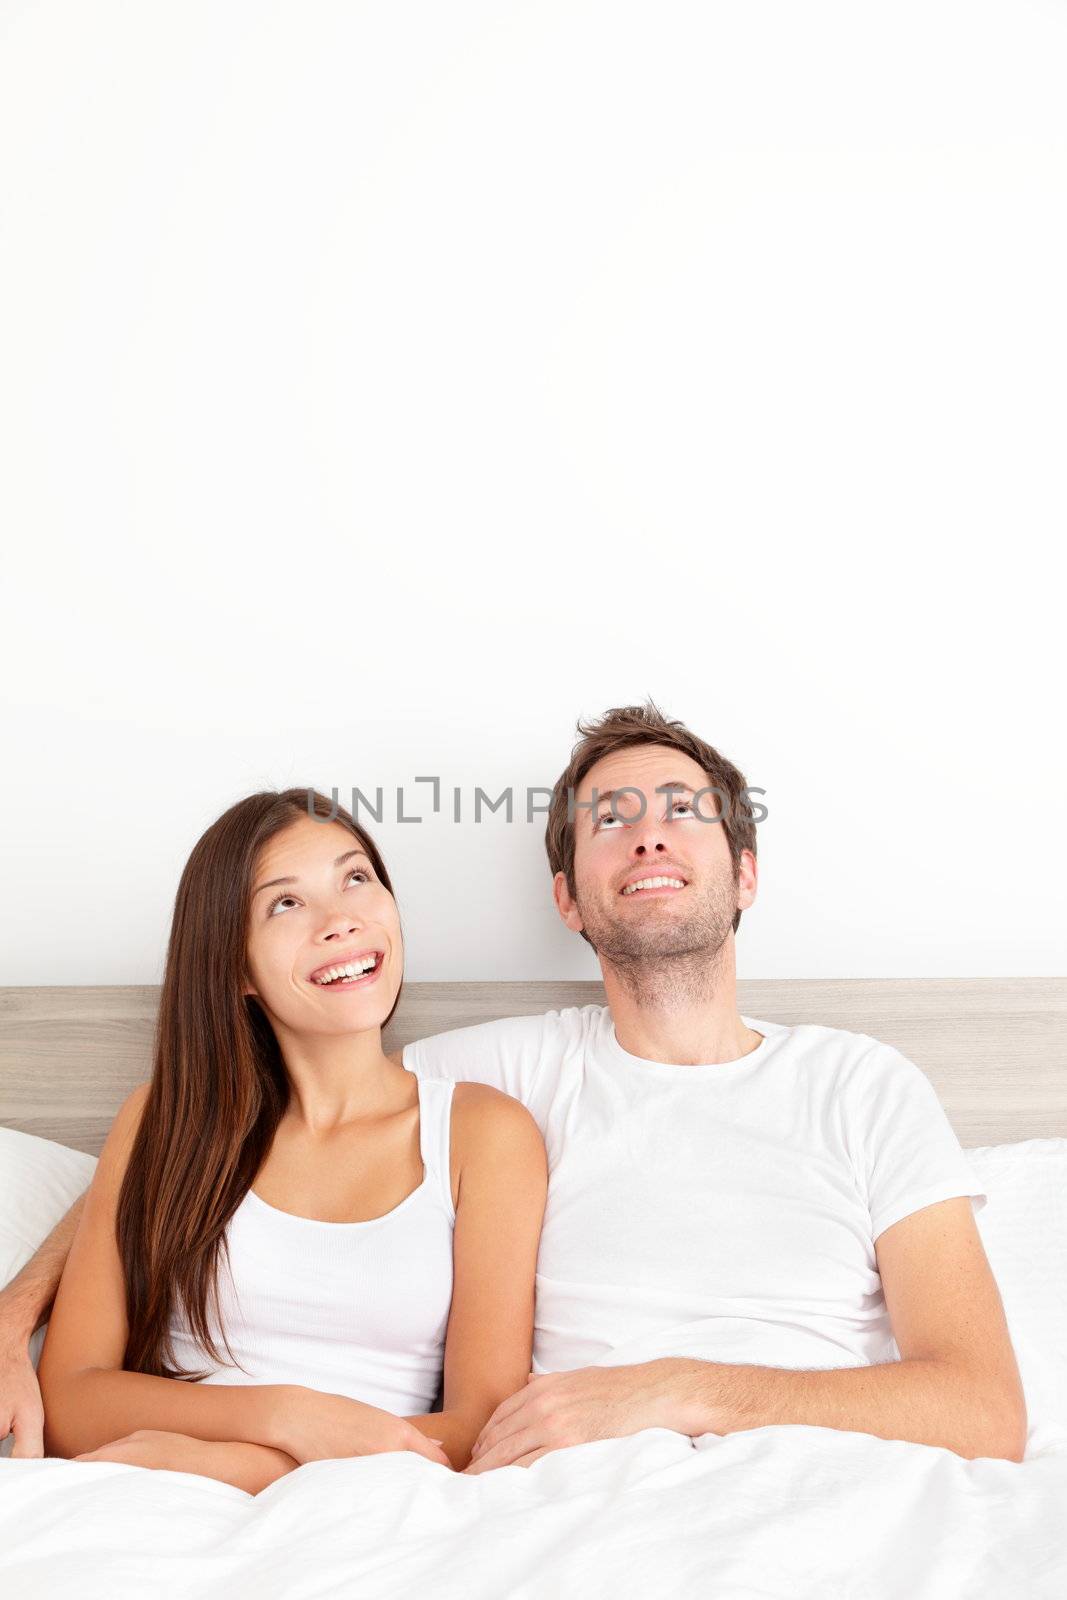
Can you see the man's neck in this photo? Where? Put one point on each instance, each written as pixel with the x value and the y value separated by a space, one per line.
pixel 681 1013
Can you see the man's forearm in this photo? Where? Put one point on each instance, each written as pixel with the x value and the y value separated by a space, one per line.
pixel 921 1401
pixel 27 1300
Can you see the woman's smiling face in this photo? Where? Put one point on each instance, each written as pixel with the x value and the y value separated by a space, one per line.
pixel 332 910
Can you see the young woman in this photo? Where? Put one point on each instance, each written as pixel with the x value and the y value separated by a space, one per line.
pixel 289 1236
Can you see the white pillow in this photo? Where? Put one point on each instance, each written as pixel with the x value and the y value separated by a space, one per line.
pixel 1024 1230
pixel 39 1181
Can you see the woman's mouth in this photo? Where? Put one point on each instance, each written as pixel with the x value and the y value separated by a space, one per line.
pixel 358 973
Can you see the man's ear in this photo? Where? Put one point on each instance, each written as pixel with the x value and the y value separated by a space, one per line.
pixel 565 904
pixel 746 880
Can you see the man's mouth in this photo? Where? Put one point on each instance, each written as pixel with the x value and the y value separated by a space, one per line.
pixel 654 885
pixel 357 973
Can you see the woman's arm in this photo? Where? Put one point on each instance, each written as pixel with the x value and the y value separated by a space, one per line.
pixel 88 1399
pixel 250 1467
pixel 90 1402
pixel 503 1182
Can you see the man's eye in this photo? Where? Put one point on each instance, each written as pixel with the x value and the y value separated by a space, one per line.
pixel 686 805
pixel 606 818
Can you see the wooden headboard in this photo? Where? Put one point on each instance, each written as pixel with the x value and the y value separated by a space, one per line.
pixel 995 1049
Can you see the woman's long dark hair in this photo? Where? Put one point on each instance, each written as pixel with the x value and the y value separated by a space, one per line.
pixel 219 1085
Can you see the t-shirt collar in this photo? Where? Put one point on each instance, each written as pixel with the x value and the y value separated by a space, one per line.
pixel 700 1070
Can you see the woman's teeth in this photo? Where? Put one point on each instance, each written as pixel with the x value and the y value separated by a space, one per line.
pixel 351 969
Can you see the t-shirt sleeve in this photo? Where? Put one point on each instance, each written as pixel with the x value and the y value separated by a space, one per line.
pixel 904 1148
pixel 507 1054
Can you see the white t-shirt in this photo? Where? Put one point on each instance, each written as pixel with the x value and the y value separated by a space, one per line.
pixel 725 1211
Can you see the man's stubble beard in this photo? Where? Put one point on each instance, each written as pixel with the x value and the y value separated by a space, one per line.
pixel 670 962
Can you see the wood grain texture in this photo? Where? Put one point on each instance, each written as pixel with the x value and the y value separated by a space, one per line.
pixel 995 1049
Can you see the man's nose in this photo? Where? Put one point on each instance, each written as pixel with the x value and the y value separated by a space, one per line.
pixel 649 838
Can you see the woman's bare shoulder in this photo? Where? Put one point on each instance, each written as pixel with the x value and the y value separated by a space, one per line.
pixel 486 1122
pixel 119 1142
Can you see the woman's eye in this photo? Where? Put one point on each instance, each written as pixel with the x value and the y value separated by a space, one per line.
pixel 686 805
pixel 606 819
pixel 356 872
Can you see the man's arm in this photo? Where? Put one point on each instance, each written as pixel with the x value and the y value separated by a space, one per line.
pixel 24 1306
pixel 923 1401
pixel 956 1385
pixel 27 1299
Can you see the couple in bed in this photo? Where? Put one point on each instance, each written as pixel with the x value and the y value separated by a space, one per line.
pixel 654 1214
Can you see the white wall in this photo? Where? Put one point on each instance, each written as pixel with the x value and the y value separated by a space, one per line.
pixel 385 385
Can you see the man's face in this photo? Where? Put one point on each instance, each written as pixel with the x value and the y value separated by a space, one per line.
pixel 617 850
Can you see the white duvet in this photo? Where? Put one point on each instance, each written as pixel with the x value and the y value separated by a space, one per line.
pixel 776 1511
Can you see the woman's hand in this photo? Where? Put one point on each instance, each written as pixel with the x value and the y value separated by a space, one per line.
pixel 151 1447
pixel 250 1467
pixel 313 1426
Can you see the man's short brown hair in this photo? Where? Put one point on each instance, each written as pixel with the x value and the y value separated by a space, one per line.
pixel 621 728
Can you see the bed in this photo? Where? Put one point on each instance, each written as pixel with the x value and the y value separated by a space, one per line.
pixel 775 1511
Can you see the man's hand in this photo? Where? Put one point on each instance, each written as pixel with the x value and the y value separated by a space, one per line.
pixel 24 1307
pixel 21 1411
pixel 564 1408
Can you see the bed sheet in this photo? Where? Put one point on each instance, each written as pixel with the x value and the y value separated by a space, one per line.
pixel 790 1512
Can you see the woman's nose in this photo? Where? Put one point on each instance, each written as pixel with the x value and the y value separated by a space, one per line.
pixel 341 926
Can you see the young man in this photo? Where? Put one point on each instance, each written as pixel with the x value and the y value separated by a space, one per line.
pixel 746 1222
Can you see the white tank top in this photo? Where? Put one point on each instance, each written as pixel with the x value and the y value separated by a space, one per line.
pixel 353 1308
